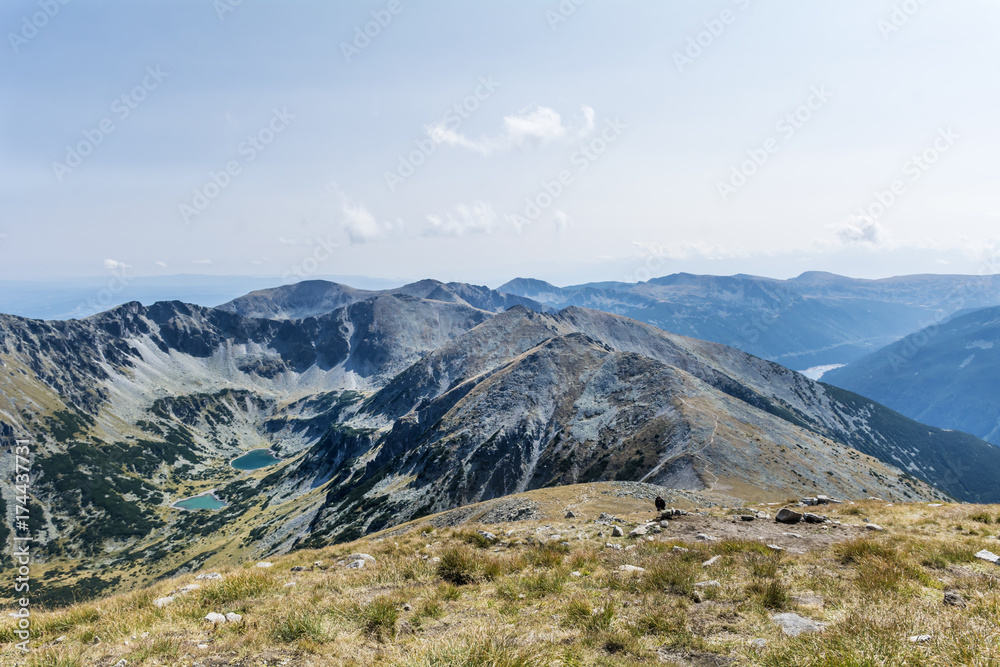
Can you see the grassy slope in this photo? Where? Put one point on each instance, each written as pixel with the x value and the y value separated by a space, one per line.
pixel 516 603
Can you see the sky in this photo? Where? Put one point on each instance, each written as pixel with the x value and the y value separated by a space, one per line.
pixel 569 141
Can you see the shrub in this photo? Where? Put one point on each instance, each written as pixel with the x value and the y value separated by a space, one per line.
pixel 379 618
pixel 297 625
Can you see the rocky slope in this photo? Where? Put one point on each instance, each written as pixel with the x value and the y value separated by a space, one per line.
pixel 947 375
pixel 395 406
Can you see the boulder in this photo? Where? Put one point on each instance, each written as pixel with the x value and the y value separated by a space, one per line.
pixel 988 556
pixel 794 625
pixel 638 532
pixel 874 527
pixel 616 531
pixel 814 518
pixel 366 557
pixel 214 618
pixel 631 568
pixel 954 599
pixel 485 533
pixel 233 617
pixel 786 515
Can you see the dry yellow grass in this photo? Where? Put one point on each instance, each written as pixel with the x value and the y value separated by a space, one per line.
pixel 517 602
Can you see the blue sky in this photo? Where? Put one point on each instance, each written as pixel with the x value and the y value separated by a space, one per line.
pixel 717 137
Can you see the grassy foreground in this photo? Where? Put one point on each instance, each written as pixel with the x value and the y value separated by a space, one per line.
pixel 440 596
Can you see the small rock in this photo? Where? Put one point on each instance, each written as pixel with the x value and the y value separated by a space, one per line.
pixel 616 531
pixel 793 625
pixel 747 517
pixel 214 618
pixel 122 663
pixel 355 564
pixel 704 537
pixel 162 602
pixel 570 515
pixel 874 527
pixel 664 524
pixel 758 644
pixel 435 559
pixel 638 532
pixel 290 584
pixel 233 617
pixel 202 645
pixel 60 640
pixel 920 639
pixel 209 575
pixel 711 561
pixel 631 568
pixel 774 547
pixel 935 504
pixel 711 583
pixel 298 568
pixel 265 564
pixel 370 559
pixel 786 515
pixel 190 587
pixel 953 599
pixel 576 573
pixel 808 501
pixel 795 535
pixel 814 518
pixel 680 550
pixel 763 515
pixel 407 607
pixel 485 533
pixel 988 556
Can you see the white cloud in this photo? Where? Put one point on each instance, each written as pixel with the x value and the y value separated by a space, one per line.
pixel 533 125
pixel 691 250
pixel 356 220
pixel 861 230
pixel 115 265
pixel 202 262
pixel 475 218
pixel 161 264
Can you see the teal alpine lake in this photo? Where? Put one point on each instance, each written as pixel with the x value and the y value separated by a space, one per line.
pixel 255 459
pixel 204 501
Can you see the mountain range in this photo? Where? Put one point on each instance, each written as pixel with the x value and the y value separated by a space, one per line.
pixel 947 374
pixel 816 319
pixel 387 406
